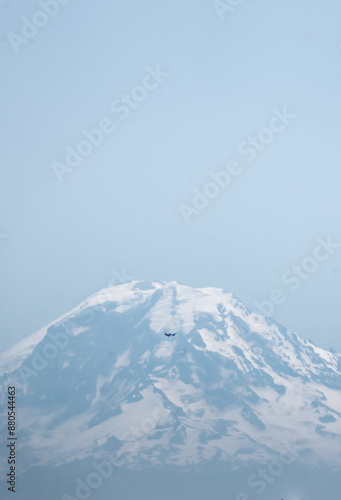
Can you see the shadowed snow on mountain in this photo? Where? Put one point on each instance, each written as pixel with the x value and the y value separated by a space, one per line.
pixel 232 386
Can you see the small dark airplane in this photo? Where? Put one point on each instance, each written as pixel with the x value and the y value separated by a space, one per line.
pixel 170 334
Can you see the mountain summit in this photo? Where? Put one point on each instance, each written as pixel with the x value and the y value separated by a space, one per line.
pixel 232 387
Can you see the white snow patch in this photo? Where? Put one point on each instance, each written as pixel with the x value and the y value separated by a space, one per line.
pixel 80 329
pixel 165 349
pixel 123 359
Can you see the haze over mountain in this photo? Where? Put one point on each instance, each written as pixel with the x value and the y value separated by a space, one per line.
pixel 232 389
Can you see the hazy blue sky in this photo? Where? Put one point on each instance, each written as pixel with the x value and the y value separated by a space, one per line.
pixel 218 83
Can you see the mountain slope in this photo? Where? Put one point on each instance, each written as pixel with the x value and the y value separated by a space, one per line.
pixel 232 386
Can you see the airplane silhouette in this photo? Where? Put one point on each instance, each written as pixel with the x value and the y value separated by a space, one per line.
pixel 170 334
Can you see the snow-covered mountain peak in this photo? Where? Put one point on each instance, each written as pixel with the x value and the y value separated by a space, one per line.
pixel 231 385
